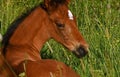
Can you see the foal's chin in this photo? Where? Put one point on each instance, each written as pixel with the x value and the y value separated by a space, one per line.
pixel 78 51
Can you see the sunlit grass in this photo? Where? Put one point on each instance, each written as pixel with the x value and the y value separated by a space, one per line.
pixel 98 21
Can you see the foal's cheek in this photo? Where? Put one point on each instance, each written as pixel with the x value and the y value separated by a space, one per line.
pixel 66 34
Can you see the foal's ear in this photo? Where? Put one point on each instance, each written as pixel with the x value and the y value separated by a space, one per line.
pixel 55 3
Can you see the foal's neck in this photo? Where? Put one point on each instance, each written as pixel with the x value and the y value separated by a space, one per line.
pixel 28 38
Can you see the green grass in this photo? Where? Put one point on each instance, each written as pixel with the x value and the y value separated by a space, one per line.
pixel 98 21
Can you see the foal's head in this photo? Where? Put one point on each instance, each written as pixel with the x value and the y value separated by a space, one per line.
pixel 64 27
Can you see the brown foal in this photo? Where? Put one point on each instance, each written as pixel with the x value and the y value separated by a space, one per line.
pixel 23 41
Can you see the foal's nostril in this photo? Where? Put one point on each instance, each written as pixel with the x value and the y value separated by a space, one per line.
pixel 80 52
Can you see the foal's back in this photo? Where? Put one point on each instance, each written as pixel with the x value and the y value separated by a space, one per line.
pixel 49 68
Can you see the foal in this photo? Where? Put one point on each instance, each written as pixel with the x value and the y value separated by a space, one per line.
pixel 25 38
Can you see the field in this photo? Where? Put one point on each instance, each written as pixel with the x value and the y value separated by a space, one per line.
pixel 98 21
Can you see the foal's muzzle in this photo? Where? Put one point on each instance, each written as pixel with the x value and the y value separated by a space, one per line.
pixel 80 52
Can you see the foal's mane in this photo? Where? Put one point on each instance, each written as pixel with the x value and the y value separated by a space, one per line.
pixel 10 31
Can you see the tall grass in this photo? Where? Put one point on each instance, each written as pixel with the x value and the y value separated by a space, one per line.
pixel 98 21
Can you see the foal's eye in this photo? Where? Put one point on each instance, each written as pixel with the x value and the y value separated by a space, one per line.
pixel 60 25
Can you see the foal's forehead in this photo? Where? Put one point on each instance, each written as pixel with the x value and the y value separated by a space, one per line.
pixel 64 12
pixel 69 14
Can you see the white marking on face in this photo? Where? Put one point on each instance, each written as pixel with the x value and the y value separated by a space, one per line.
pixel 70 15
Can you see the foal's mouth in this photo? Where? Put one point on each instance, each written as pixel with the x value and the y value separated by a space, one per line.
pixel 80 51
